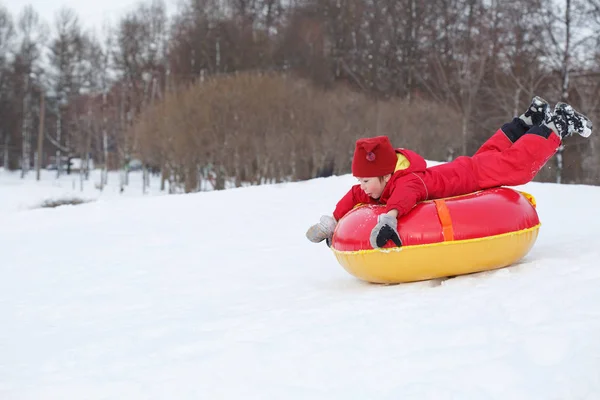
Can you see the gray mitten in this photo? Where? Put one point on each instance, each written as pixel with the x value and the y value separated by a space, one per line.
pixel 322 231
pixel 386 229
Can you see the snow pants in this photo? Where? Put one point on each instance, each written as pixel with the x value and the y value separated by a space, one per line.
pixel 499 161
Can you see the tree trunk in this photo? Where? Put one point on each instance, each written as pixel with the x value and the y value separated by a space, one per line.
pixel 58 134
pixel 144 178
pixel 40 141
pixel 163 176
pixel 516 100
pixel 88 146
pixel 564 96
pixel 84 169
pixel 5 158
pixel 465 131
pixel 25 131
pixel 104 176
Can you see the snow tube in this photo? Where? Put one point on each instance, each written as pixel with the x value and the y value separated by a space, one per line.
pixel 480 231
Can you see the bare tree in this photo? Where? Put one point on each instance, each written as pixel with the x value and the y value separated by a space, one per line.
pixel 99 56
pixel 6 44
pixel 30 34
pixel 569 34
pixel 40 140
pixel 459 57
pixel 518 45
pixel 67 78
pixel 140 59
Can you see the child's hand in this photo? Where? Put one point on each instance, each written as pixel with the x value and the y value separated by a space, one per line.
pixel 386 229
pixel 322 231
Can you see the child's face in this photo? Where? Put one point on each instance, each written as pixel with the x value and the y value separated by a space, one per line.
pixel 373 187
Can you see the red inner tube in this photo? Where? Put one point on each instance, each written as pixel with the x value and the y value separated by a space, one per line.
pixel 486 213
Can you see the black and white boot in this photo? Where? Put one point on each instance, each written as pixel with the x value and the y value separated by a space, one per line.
pixel 537 113
pixel 565 121
pixel 575 121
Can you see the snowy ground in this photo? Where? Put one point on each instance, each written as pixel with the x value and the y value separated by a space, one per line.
pixel 218 295
pixel 18 194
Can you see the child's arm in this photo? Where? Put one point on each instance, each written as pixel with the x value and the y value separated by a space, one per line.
pixel 354 196
pixel 393 213
pixel 408 191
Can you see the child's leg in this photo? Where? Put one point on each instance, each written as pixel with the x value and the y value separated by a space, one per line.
pixel 517 164
pixel 510 132
pixel 504 137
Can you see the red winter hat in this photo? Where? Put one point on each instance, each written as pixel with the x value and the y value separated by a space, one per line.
pixel 374 157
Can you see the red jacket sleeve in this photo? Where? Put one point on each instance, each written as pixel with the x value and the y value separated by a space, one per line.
pixel 354 196
pixel 408 190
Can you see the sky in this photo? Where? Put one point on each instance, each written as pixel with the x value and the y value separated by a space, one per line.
pixel 93 14
pixel 218 295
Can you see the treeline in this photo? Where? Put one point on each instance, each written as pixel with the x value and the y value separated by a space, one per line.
pixel 258 128
pixel 267 90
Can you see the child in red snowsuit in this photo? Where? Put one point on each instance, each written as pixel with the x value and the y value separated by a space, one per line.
pixel 399 178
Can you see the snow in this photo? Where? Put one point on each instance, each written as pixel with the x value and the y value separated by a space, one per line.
pixel 24 194
pixel 218 295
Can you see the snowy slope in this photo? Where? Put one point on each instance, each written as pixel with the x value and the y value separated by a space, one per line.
pixel 218 295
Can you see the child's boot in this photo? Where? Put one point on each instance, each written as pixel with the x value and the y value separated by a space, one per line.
pixel 574 121
pixel 537 113
pixel 565 120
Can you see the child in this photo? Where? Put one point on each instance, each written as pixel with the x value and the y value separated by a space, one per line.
pixel 399 178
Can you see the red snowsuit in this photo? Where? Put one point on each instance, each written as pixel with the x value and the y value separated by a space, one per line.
pixel 498 162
